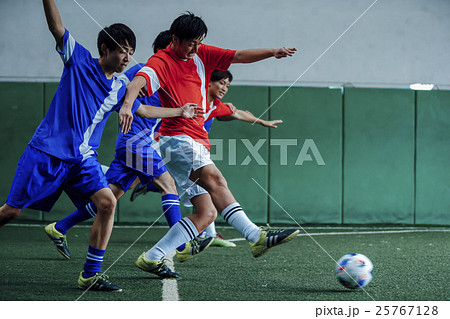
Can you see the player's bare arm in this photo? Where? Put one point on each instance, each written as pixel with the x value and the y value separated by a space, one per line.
pixel 54 21
pixel 125 114
pixel 189 110
pixel 254 55
pixel 248 116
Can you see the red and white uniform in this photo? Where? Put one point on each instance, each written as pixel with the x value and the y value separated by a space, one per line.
pixel 182 81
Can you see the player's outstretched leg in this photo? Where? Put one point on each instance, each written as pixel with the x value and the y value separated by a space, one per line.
pixel 260 240
pixel 211 179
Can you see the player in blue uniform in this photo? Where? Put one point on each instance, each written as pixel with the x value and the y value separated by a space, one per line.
pixel 61 155
pixel 136 160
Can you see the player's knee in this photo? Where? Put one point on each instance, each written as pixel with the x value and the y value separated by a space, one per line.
pixel 106 205
pixel 212 217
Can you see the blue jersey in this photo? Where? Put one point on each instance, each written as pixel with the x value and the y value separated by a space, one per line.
pixel 73 125
pixel 142 129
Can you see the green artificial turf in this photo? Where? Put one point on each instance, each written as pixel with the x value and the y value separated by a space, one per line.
pixel 407 266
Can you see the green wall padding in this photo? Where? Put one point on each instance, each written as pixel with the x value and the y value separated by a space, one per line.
pixel 433 158
pixel 237 164
pixel 379 166
pixel 21 106
pixel 305 188
pixel 378 156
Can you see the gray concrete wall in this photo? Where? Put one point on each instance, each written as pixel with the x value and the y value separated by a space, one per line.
pixel 396 42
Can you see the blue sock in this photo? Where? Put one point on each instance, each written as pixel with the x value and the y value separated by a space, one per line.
pixel 93 263
pixel 76 217
pixel 171 209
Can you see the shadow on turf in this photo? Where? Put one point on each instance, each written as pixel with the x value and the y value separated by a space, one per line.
pixel 138 277
pixel 326 290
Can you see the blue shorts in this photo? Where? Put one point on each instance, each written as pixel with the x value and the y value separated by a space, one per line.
pixel 41 178
pixel 119 173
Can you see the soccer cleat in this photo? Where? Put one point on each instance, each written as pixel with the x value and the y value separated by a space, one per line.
pixel 218 241
pixel 58 239
pixel 270 238
pixel 98 282
pixel 158 268
pixel 193 248
pixel 140 189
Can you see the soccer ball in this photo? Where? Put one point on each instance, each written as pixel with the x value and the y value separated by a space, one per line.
pixel 354 271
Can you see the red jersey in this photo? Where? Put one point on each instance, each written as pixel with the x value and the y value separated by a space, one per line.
pixel 180 81
pixel 217 109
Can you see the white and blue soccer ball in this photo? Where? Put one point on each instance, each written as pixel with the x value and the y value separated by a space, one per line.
pixel 354 271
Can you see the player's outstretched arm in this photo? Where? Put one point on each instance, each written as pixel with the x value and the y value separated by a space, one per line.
pixel 247 116
pixel 254 55
pixel 54 21
pixel 189 110
pixel 125 113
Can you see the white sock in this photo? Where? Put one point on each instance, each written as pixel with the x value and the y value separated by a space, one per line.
pixel 235 216
pixel 180 233
pixel 210 231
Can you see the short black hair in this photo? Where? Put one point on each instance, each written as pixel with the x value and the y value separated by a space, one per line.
pixel 116 35
pixel 218 75
pixel 162 40
pixel 188 26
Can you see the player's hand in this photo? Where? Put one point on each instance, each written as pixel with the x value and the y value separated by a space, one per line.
pixel 284 52
pixel 125 120
pixel 191 111
pixel 232 107
pixel 271 123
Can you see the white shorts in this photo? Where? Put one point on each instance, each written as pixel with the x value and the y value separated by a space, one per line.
pixel 181 155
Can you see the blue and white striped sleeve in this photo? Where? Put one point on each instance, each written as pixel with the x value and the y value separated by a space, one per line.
pixel 71 50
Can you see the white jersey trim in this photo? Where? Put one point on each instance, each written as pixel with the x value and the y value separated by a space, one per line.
pixel 154 81
pixel 201 73
pixel 212 108
pixel 109 102
pixel 68 49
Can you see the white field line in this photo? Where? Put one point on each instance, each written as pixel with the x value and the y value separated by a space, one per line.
pixel 170 286
pixel 418 228
pixel 364 233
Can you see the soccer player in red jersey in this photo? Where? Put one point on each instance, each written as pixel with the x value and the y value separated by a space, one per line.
pixel 181 74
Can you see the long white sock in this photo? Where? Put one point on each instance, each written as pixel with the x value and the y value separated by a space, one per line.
pixel 236 217
pixel 180 233
pixel 210 231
